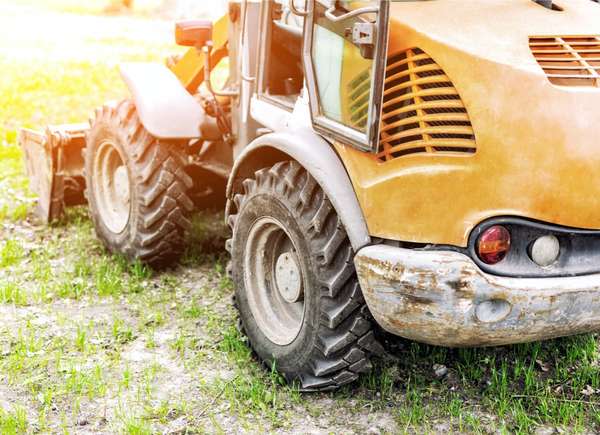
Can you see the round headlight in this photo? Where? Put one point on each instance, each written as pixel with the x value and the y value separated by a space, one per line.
pixel 545 250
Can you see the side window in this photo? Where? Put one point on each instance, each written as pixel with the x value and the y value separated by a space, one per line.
pixel 343 75
pixel 284 72
pixel 346 39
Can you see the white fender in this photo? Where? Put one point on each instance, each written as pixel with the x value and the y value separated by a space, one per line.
pixel 166 109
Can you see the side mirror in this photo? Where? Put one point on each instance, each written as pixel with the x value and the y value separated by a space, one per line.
pixel 193 33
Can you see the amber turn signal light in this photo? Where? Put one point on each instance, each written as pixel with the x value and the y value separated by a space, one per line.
pixel 493 244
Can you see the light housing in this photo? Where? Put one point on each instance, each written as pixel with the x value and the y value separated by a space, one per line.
pixel 493 244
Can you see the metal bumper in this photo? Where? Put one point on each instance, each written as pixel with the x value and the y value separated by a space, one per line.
pixel 443 298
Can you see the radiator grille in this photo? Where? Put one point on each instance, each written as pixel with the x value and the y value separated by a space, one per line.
pixel 568 60
pixel 422 111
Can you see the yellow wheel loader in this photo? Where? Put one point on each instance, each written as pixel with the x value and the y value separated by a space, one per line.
pixel 430 167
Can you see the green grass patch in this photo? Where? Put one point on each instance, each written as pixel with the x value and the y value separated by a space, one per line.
pixel 553 383
pixel 13 423
pixel 253 390
pixel 11 293
pixel 11 253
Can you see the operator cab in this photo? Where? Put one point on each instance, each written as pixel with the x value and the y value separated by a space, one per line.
pixel 337 50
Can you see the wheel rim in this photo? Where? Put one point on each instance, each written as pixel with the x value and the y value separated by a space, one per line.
pixel 111 187
pixel 274 281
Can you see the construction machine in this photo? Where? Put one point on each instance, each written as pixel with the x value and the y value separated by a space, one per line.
pixel 429 167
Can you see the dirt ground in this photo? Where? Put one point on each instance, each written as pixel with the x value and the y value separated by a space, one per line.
pixel 91 344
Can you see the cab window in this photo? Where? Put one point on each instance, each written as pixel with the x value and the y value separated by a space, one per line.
pixel 343 69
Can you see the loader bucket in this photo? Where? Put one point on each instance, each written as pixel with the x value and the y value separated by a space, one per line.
pixel 54 164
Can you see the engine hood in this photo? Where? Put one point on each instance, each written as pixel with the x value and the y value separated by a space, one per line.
pixel 497 30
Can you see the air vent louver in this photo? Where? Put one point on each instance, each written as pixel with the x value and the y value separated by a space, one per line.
pixel 422 111
pixel 568 60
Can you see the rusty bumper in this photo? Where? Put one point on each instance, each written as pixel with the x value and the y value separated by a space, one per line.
pixel 443 298
pixel 54 165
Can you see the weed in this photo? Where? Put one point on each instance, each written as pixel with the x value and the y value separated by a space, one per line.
pixel 121 333
pixel 127 377
pixel 140 271
pixel 194 310
pixel 12 293
pixel 13 423
pixel 88 382
pixel 235 346
pixel 179 344
pixel 81 340
pixel 108 277
pixel 11 253
pixel 136 426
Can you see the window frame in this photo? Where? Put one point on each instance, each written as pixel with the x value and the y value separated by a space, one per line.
pixel 369 140
pixel 263 69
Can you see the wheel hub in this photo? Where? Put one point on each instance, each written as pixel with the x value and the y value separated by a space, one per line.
pixel 274 281
pixel 122 185
pixel 288 277
pixel 111 187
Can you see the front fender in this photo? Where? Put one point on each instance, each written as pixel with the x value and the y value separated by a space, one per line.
pixel 319 159
pixel 166 109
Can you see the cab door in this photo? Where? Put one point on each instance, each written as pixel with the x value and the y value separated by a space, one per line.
pixel 344 59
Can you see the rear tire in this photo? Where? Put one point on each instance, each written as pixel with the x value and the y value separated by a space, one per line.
pixel 296 288
pixel 137 188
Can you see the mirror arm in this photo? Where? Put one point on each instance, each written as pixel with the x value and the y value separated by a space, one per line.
pixel 207 50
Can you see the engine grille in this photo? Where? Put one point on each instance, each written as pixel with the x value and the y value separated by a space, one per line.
pixel 422 111
pixel 568 60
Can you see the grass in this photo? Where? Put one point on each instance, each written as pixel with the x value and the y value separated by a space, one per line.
pixel 13 422
pixel 11 253
pixel 89 342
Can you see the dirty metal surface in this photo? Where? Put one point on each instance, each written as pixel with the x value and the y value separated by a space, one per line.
pixel 54 165
pixel 442 298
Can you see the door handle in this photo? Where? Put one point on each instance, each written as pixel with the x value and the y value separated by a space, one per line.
pixel 297 11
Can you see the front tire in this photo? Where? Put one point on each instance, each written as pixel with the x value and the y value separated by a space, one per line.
pixel 136 188
pixel 297 293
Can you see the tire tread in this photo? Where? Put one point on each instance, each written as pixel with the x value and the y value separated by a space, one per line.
pixel 161 184
pixel 345 340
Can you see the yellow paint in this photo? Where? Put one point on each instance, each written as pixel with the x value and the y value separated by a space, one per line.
pixel 538 145
pixel 190 69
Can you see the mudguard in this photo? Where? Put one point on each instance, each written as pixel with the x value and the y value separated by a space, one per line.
pixel 166 109
pixel 316 155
